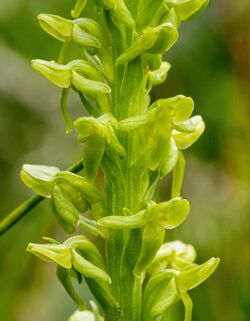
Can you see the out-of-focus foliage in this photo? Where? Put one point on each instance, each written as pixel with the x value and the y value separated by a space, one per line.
pixel 211 63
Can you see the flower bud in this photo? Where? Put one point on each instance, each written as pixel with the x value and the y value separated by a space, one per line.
pixel 39 178
pixel 57 253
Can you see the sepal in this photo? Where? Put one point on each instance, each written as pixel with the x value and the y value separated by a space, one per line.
pixel 181 107
pixel 88 269
pixel 88 86
pixel 59 75
pixel 187 9
pixel 170 214
pixel 195 275
pixel 39 178
pixel 56 26
pixel 58 253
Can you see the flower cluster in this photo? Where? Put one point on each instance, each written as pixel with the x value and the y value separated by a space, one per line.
pixel 134 143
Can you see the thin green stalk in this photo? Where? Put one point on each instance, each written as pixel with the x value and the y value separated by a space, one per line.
pixel 22 210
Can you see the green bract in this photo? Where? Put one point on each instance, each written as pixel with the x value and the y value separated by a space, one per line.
pixel 129 144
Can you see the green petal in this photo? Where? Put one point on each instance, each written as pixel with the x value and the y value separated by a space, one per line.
pixel 184 140
pixel 88 269
pixel 123 222
pixel 159 76
pixel 88 86
pixel 192 277
pixel 81 37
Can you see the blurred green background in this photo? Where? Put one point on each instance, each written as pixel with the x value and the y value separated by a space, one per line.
pixel 211 63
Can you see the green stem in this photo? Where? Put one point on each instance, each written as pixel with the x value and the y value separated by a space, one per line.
pixel 17 214
pixel 122 248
